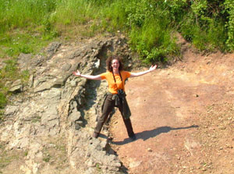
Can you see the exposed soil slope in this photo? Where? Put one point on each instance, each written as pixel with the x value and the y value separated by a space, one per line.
pixel 183 117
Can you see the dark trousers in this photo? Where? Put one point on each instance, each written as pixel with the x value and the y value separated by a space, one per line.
pixel 108 106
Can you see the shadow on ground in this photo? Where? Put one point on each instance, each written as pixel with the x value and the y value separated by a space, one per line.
pixel 145 135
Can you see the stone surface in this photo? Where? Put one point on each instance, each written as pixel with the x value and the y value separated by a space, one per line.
pixel 49 121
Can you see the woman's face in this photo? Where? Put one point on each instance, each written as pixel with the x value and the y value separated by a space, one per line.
pixel 115 64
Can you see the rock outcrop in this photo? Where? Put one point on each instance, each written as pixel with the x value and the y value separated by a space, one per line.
pixel 51 118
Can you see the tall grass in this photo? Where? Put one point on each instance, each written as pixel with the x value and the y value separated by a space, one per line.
pixel 28 25
pixel 24 24
pixel 24 13
pixel 114 16
pixel 202 22
pixel 73 12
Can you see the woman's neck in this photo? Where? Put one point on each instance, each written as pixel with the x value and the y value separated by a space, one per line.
pixel 115 71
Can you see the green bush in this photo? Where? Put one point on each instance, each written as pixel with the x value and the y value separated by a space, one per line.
pixel 150 31
pixel 28 25
pixel 229 9
pixel 207 24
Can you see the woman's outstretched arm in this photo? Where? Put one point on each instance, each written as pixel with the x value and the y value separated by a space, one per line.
pixel 91 77
pixel 152 68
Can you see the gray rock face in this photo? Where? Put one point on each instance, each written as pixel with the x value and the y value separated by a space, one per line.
pixel 16 86
pixel 54 117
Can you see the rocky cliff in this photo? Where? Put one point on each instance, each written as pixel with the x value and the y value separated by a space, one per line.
pixel 50 120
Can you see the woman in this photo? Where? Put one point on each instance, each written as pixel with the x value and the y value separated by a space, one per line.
pixel 115 77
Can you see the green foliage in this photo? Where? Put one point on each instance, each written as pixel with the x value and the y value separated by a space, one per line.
pixel 229 9
pixel 24 24
pixel 13 46
pixel 154 42
pixel 114 16
pixel 71 12
pixel 28 25
pixel 207 24
pixel 20 14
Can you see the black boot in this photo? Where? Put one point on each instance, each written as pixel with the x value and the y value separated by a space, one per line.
pixel 133 137
pixel 129 128
pixel 95 135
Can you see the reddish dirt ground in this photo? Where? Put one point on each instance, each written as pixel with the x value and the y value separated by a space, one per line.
pixel 183 117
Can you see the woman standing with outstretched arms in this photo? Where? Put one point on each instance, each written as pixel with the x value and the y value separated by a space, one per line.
pixel 116 96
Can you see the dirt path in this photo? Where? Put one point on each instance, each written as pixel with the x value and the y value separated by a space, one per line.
pixel 174 115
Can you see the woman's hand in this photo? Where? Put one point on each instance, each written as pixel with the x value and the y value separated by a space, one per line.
pixel 152 68
pixel 77 73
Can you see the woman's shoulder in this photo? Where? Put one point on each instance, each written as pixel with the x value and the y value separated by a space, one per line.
pixel 126 73
pixel 107 73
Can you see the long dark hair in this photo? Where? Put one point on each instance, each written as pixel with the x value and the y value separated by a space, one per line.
pixel 109 62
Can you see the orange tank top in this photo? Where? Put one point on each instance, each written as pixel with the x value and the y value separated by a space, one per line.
pixel 115 83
